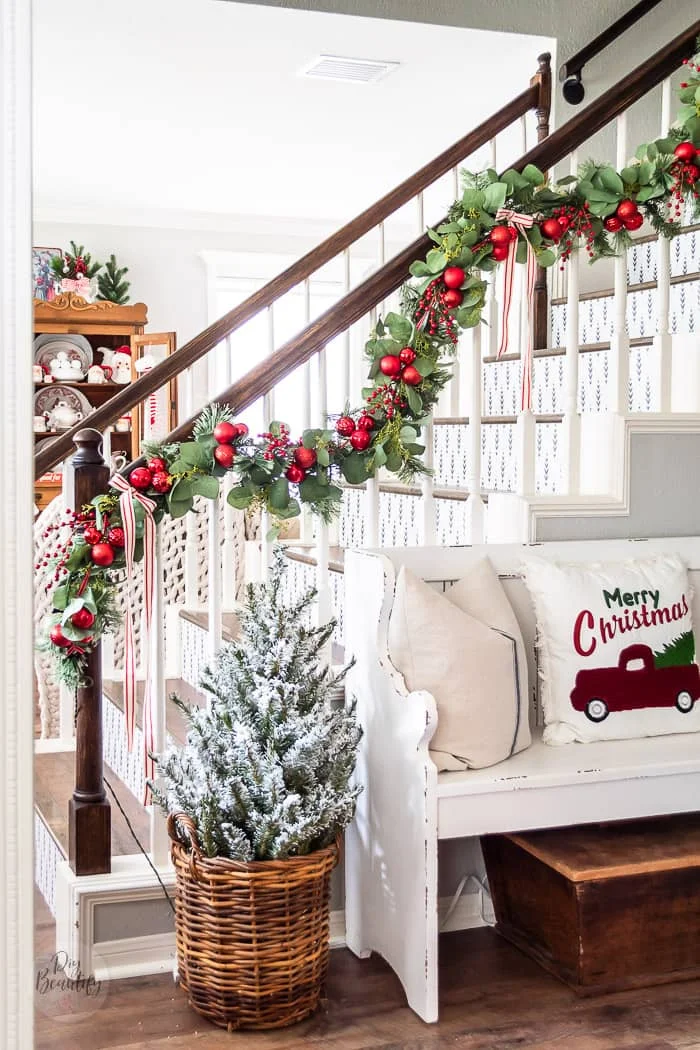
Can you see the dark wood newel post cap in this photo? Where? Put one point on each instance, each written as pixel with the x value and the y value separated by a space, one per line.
pixel 544 60
pixel 88 444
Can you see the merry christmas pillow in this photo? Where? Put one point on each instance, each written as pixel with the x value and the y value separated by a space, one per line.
pixel 617 652
pixel 465 648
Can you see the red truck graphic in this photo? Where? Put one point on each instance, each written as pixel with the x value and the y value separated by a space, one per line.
pixel 600 690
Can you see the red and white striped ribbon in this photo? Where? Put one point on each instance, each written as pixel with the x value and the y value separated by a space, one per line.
pixel 126 505
pixel 521 223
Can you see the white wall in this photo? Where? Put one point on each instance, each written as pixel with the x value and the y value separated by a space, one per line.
pixel 165 268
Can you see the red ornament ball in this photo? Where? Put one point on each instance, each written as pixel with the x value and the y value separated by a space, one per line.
pixel 346 425
pixel 92 535
pixel 692 172
pixel 564 221
pixel 685 151
pixel 242 429
pixel 500 235
pixel 83 619
pixel 360 440
pixel 634 221
pixel 102 554
pixel 626 209
pixel 223 454
pixel 552 229
pixel 162 481
pixel 390 365
pixel 304 457
pixel 224 433
pixel 411 376
pixel 365 422
pixel 58 637
pixel 452 298
pixel 140 477
pixel 156 464
pixel 453 277
pixel 407 356
pixel 612 224
pixel 500 252
pixel 116 537
pixel 295 474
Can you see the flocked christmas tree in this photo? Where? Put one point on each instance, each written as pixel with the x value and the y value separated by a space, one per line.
pixel 265 771
pixel 111 284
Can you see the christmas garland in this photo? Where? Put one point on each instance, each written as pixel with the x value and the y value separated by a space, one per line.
pixel 516 216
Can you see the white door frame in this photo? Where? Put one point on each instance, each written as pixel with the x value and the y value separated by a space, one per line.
pixel 16 513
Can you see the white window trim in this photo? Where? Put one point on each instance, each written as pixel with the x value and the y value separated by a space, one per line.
pixel 16 453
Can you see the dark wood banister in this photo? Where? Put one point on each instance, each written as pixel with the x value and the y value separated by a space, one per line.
pixel 308 264
pixel 575 64
pixel 261 379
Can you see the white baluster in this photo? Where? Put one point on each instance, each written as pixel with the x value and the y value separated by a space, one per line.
pixel 571 427
pixel 618 398
pixel 476 508
pixel 159 838
pixel 306 523
pixel 427 489
pixel 371 504
pixel 191 555
pixel 214 578
pixel 229 554
pixel 345 395
pixel 268 416
pixel 663 341
pixel 324 601
pixel 492 154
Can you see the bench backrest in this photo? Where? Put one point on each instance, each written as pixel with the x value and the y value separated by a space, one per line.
pixel 442 566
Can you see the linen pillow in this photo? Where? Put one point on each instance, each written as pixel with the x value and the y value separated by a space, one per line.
pixel 470 665
pixel 617 652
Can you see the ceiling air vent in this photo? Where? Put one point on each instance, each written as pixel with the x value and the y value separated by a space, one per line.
pixel 350 70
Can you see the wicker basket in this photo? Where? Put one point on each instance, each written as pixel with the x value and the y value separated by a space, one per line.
pixel 252 938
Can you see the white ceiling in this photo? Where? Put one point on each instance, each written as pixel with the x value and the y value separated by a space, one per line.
pixel 195 107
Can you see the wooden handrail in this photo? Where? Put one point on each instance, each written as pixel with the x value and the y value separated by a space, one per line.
pixel 261 379
pixel 573 67
pixel 201 344
pixel 612 102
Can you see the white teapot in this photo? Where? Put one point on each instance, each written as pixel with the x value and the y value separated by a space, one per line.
pixel 63 417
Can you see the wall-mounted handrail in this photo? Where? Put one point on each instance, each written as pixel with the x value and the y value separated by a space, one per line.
pixel 201 344
pixel 570 71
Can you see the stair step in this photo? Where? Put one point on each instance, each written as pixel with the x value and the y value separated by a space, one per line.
pixel 200 618
pixel 54 779
pixel 175 722
pixel 643 286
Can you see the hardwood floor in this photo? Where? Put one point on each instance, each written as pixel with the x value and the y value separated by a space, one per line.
pixel 493 998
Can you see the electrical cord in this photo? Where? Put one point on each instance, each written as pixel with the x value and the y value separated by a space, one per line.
pixel 138 843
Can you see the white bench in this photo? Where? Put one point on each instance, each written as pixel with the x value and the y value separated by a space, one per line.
pixel 406 806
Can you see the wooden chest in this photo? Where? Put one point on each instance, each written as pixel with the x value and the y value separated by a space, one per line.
pixel 602 907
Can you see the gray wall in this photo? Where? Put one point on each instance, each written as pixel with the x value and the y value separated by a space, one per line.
pixel 664 495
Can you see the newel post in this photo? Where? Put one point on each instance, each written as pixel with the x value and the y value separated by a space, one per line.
pixel 89 818
pixel 542 80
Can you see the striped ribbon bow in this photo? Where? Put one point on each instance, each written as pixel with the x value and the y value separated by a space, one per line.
pixel 129 496
pixel 521 223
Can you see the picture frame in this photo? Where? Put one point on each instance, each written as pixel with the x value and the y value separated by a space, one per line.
pixel 45 282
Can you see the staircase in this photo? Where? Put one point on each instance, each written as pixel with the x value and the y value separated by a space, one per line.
pixel 608 365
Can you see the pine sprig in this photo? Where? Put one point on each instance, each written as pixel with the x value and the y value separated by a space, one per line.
pixel 111 284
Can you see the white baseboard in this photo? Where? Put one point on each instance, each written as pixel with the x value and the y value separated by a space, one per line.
pixel 134 957
pixel 466 915
pixel 52 745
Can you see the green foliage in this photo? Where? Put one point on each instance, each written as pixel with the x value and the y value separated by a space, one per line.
pixel 265 771
pixel 111 284
pixel 677 653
